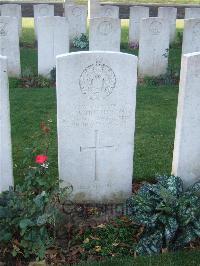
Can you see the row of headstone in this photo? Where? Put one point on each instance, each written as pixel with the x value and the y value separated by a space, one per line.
pixel 104 34
pixel 96 99
pixel 94 8
pixel 137 13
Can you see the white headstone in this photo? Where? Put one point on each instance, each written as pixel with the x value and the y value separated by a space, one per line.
pixel 93 8
pixel 68 2
pixel 191 36
pixel 96 98
pixel 192 13
pixel 77 18
pixel 104 34
pixel 9 44
pixel 6 167
pixel 170 14
pixel 136 14
pixel 42 10
pixel 154 47
pixel 186 163
pixel 109 11
pixel 53 40
pixel 13 10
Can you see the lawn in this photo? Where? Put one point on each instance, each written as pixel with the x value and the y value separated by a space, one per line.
pixel 172 259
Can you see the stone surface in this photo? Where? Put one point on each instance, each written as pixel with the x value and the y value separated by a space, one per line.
pixel 96 98
pixel 136 14
pixel 13 10
pixel 42 10
pixel 97 10
pixel 191 36
pixel 154 47
pixel 9 44
pixel 93 8
pixel 68 2
pixel 192 13
pixel 6 167
pixel 109 11
pixel 186 163
pixel 104 34
pixel 53 40
pixel 77 19
pixel 170 14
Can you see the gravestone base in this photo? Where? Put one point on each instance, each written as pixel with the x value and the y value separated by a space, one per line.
pixel 83 214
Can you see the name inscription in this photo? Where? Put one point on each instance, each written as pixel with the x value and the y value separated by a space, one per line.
pixel 91 116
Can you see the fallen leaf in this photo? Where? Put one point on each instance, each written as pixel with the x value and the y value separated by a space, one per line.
pixel 87 240
pixel 97 248
pixel 101 226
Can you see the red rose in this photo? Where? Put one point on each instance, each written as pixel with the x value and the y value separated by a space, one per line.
pixel 41 159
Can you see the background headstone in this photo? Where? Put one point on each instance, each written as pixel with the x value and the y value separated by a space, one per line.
pixel 13 10
pixel 93 8
pixel 109 11
pixel 96 98
pixel 68 3
pixel 192 13
pixel 153 47
pixel 9 44
pixel 191 36
pixel 6 166
pixel 136 14
pixel 42 10
pixel 186 163
pixel 170 14
pixel 104 34
pixel 77 19
pixel 53 40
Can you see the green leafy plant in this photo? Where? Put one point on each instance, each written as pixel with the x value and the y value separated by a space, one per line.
pixel 81 42
pixel 169 216
pixel 178 42
pixel 30 80
pixel 30 213
pixel 170 78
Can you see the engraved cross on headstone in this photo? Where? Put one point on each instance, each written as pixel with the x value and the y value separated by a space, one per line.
pixel 95 148
pixel 2 49
pixel 154 60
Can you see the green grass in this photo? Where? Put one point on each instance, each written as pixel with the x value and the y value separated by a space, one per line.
pixel 155 124
pixel 191 258
pixel 155 115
